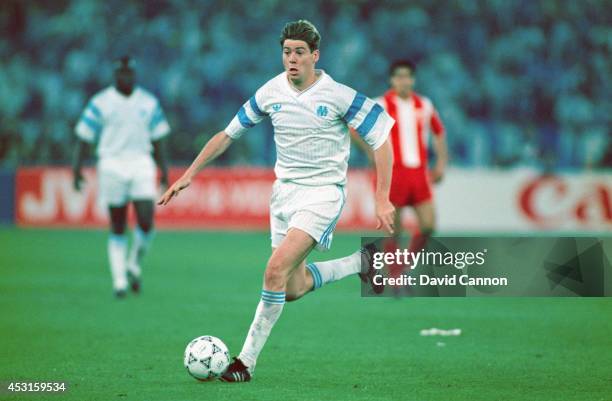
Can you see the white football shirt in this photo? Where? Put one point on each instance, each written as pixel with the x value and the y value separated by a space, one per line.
pixel 311 126
pixel 122 126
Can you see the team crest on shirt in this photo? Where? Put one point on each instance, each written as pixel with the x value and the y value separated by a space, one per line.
pixel 276 106
pixel 322 111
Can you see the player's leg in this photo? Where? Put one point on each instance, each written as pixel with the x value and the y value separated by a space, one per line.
pixel 287 257
pixel 397 221
pixel 425 214
pixel 400 195
pixel 141 240
pixel 117 248
pixel 142 191
pixel 311 276
pixel 113 189
pixel 314 275
pixel 308 277
pixel 300 283
pixel 318 218
pixel 394 243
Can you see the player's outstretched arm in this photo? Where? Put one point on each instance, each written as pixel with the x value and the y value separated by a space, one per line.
pixel 213 148
pixel 385 212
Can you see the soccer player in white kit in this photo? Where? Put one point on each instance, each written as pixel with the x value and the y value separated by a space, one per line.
pixel 127 126
pixel 310 113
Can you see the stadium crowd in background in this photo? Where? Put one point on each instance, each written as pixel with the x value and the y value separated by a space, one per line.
pixel 525 83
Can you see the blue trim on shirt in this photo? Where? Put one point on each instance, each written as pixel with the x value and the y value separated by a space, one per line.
pixel 255 107
pixel 94 125
pixel 158 117
pixel 358 102
pixel 367 124
pixel 245 121
pixel 96 111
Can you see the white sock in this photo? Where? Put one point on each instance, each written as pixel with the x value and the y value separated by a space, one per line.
pixel 140 244
pixel 334 270
pixel 266 315
pixel 117 250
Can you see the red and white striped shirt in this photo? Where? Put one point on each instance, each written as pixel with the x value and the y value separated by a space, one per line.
pixel 415 118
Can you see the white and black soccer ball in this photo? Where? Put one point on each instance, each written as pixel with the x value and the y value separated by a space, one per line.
pixel 206 358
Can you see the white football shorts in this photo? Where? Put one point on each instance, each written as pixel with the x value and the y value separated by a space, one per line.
pixel 121 180
pixel 312 209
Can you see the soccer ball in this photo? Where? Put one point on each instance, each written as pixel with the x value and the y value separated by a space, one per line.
pixel 206 358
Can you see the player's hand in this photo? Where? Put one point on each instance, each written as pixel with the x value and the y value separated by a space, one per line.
pixel 437 174
pixel 173 191
pixel 385 216
pixel 77 180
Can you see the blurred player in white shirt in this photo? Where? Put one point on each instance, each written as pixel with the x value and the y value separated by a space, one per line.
pixel 127 126
pixel 310 113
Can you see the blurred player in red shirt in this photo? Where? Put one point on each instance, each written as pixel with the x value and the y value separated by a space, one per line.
pixel 415 118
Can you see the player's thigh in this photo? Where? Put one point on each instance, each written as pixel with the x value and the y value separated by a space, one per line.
pixel 143 180
pixel 279 207
pixel 113 185
pixel 288 256
pixel 400 190
pixel 278 229
pixel 316 212
pixel 426 215
pixel 293 249
pixel 144 213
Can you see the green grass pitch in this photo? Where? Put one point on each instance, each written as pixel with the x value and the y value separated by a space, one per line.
pixel 59 321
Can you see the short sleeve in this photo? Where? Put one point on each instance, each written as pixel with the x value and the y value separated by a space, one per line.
pixel 90 123
pixel 248 116
pixel 158 125
pixel 436 123
pixel 365 116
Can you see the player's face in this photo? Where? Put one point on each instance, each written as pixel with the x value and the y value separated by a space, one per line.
pixel 298 60
pixel 402 81
pixel 124 79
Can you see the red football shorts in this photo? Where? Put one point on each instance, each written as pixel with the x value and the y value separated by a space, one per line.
pixel 409 187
